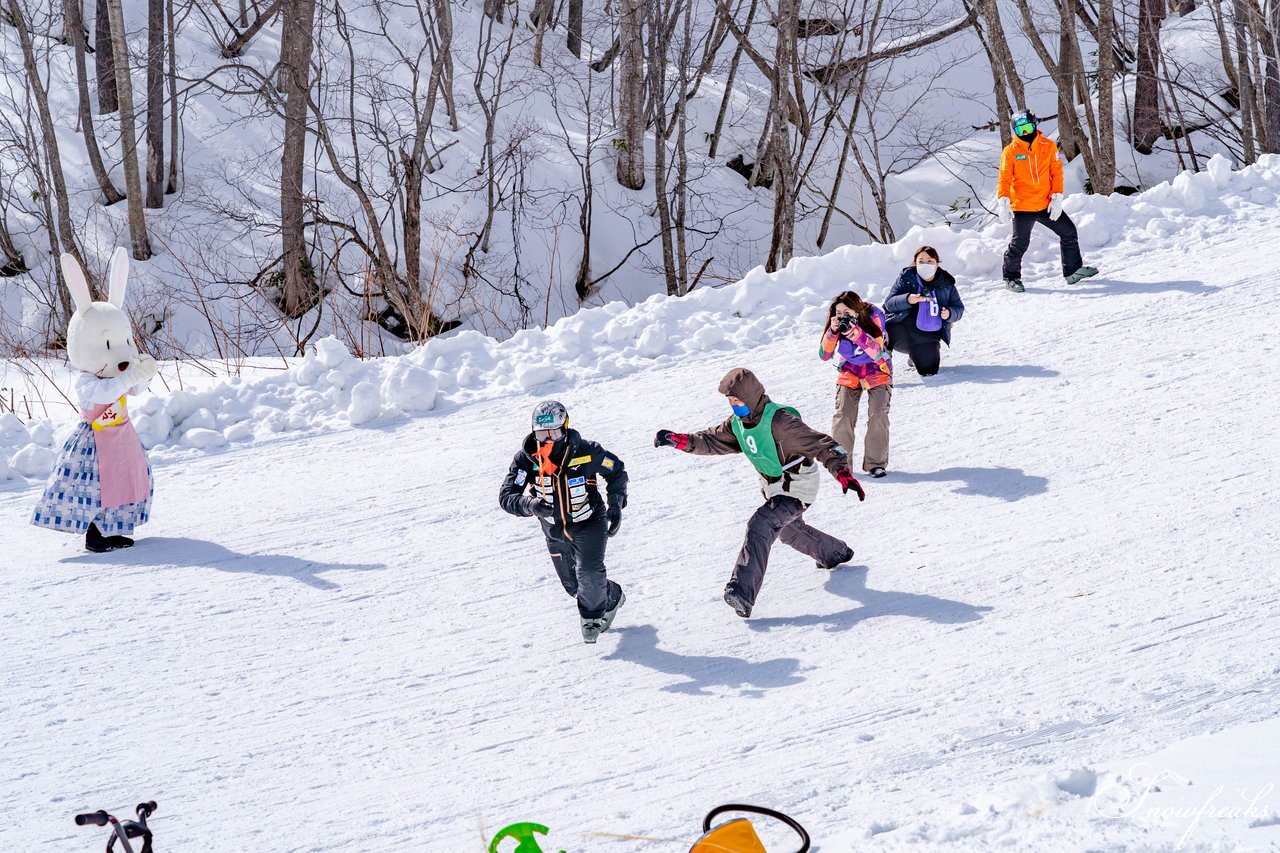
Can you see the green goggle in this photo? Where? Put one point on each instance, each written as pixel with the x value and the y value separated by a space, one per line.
pixel 1023 126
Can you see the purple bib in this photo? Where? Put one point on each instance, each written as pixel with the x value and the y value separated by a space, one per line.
pixel 929 313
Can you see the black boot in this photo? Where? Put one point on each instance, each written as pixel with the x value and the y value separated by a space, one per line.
pixel 96 542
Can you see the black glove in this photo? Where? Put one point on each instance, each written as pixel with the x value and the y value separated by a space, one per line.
pixel 540 508
pixel 678 440
pixel 615 519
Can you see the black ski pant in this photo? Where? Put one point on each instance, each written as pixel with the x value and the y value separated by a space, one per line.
pixel 578 555
pixel 781 517
pixel 1023 222
pixel 924 349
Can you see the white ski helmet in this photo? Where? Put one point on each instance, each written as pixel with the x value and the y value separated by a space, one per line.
pixel 550 415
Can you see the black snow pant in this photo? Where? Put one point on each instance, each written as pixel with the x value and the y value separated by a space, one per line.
pixel 578 557
pixel 781 517
pixel 1023 221
pixel 925 349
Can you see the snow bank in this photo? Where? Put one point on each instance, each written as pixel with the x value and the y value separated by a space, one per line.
pixel 329 388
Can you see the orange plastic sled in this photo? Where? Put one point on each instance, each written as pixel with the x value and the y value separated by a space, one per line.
pixel 738 835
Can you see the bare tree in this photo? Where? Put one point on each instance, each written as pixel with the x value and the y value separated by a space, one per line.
pixel 65 234
pixel 128 137
pixel 1146 98
pixel 104 60
pixel 631 85
pixel 75 33
pixel 298 276
pixel 155 103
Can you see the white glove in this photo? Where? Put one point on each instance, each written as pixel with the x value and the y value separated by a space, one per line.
pixel 1055 205
pixel 1004 210
pixel 141 371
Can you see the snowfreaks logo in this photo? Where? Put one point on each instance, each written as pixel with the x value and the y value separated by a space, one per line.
pixel 1128 798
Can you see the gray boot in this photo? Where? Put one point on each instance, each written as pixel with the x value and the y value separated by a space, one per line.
pixel 591 629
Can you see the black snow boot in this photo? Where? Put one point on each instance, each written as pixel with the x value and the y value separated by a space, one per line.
pixel 99 544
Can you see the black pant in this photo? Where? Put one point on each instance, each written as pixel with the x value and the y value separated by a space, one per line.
pixel 1023 221
pixel 925 348
pixel 780 517
pixel 579 561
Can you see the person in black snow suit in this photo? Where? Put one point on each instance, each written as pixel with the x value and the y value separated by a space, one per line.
pixel 786 453
pixel 921 307
pixel 562 469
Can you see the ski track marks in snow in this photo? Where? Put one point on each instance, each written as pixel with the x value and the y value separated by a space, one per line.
pixel 335 641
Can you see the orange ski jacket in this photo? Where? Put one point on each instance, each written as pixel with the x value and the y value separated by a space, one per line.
pixel 1029 174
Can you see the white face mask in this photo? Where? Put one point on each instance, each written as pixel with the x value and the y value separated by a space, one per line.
pixel 926 271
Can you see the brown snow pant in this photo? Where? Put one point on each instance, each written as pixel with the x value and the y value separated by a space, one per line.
pixel 781 517
pixel 844 426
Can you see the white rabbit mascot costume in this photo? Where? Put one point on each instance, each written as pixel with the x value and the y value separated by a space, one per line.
pixel 101 483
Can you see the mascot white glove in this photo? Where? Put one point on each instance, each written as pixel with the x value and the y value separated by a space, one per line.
pixel 1004 210
pixel 141 371
pixel 1055 205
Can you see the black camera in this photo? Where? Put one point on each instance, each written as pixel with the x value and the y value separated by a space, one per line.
pixel 844 324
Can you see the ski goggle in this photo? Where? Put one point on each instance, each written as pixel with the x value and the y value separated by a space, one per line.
pixel 548 434
pixel 1023 126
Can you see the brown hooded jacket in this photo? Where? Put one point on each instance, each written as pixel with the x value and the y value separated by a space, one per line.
pixel 795 440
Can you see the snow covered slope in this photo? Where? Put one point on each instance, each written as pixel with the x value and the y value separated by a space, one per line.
pixel 334 640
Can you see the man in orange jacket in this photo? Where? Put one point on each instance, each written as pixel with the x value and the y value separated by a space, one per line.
pixel 1030 191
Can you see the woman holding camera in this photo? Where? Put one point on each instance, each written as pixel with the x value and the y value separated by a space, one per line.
pixel 855 333
pixel 922 306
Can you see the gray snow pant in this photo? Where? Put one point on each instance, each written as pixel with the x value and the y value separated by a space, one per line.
pixel 844 426
pixel 781 517
pixel 579 561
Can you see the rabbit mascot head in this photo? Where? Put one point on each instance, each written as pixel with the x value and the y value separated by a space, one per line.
pixel 100 336
pixel 101 483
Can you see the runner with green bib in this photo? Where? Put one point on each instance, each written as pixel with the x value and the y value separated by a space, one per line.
pixel 786 454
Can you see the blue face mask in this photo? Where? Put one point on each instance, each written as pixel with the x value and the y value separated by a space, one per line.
pixel 741 411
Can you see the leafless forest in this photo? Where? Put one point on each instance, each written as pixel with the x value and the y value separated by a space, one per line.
pixel 390 169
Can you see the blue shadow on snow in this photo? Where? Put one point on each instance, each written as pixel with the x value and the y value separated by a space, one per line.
pixel 639 644
pixel 1008 484
pixel 184 552
pixel 988 374
pixel 851 583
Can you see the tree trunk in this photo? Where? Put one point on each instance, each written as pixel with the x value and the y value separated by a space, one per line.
pixel 1244 80
pixel 75 32
pixel 574 28
pixel 1105 139
pixel 631 107
pixel 128 136
pixel 1271 87
pixel 782 238
pixel 999 88
pixel 1146 98
pixel 171 186
pixel 295 79
pixel 155 103
pixel 104 60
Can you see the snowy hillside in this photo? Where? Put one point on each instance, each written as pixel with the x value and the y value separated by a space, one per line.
pixel 1059 631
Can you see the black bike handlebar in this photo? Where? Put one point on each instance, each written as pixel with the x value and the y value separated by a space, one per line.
pixel 144 810
pixel 98 818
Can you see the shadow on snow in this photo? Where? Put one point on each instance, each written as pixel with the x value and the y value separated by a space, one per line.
pixel 185 552
pixel 639 644
pixel 1008 484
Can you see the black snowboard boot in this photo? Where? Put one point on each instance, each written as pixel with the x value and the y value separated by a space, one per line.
pixel 846 558
pixel 734 599
pixel 99 544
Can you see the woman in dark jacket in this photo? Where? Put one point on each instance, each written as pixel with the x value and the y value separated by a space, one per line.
pixel 921 307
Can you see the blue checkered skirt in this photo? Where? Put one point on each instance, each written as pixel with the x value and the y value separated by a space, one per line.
pixel 72 499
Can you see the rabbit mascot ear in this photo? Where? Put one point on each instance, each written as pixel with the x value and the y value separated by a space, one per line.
pixel 118 276
pixel 76 282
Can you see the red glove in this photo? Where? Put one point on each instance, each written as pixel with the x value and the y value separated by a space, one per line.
pixel 678 440
pixel 845 478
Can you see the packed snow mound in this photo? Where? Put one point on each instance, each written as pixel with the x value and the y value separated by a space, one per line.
pixel 329 388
